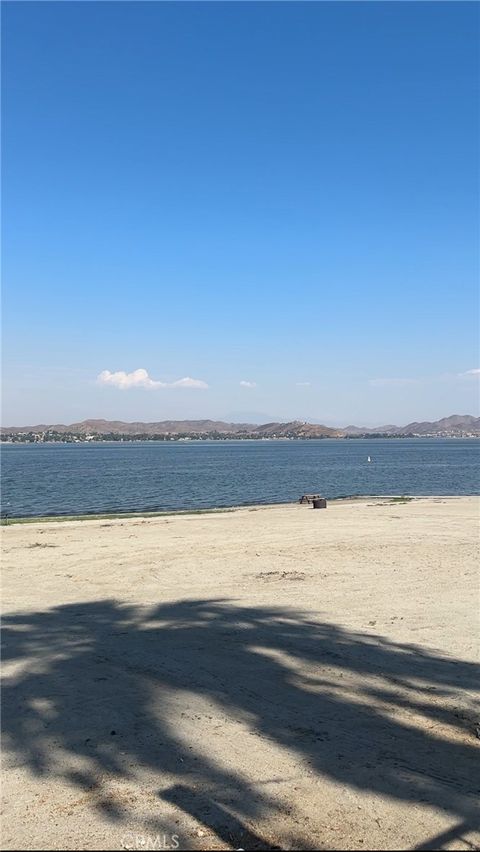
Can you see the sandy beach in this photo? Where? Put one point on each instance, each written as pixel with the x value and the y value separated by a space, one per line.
pixel 269 677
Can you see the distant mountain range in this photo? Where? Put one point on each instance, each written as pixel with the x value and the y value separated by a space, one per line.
pixel 456 425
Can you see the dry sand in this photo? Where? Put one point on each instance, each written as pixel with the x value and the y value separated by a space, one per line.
pixel 272 677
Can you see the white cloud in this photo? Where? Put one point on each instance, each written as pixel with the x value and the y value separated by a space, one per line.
pixel 187 382
pixel 122 380
pixel 140 379
pixel 466 376
pixel 248 384
pixel 303 384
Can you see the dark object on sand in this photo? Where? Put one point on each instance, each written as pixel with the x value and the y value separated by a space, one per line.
pixel 319 503
pixel 309 498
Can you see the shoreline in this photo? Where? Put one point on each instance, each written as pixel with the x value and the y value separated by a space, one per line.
pixel 120 515
pixel 367 437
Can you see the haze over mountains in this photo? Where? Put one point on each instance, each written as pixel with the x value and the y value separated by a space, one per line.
pixel 450 426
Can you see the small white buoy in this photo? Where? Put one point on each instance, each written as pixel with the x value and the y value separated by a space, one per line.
pixel 369 459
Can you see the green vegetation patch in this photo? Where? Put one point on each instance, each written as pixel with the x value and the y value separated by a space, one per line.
pixel 109 517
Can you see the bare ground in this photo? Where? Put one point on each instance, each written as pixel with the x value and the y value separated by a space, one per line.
pixel 275 677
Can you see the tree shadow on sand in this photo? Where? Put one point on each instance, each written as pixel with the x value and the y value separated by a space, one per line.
pixel 97 690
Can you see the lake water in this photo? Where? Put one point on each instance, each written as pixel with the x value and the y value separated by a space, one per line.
pixel 56 479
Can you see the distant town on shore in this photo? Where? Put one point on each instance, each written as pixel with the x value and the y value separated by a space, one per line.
pixel 455 426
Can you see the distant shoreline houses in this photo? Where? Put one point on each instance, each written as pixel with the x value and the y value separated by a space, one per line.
pixel 67 438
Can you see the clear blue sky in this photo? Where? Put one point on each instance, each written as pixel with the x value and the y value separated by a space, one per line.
pixel 282 194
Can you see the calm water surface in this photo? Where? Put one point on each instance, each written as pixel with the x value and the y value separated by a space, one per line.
pixel 56 479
